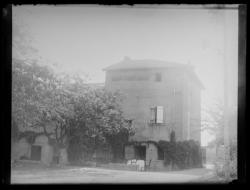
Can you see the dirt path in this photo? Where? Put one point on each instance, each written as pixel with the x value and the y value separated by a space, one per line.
pixel 99 175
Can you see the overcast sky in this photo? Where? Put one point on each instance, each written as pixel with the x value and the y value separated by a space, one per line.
pixel 86 39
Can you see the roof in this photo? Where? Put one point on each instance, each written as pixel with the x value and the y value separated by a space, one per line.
pixel 128 63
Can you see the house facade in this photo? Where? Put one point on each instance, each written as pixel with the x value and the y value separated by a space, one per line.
pixel 159 97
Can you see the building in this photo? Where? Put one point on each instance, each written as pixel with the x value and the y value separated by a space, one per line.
pixel 34 146
pixel 159 97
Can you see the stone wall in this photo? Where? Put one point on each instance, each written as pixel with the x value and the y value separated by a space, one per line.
pixel 151 156
pixel 63 159
pixel 142 93
pixel 129 152
pixel 151 153
pixel 20 149
pixel 46 151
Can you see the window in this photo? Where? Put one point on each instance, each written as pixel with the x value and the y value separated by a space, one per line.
pixel 156 114
pixel 158 77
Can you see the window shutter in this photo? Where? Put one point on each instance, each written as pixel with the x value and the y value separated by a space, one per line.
pixel 159 114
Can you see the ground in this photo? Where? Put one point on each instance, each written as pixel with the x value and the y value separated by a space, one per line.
pixel 78 175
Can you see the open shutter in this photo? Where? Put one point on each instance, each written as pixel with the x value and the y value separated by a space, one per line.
pixel 159 114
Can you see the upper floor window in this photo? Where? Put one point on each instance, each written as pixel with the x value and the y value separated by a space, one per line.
pixel 158 77
pixel 156 114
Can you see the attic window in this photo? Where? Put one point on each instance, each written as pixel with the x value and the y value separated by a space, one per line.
pixel 158 77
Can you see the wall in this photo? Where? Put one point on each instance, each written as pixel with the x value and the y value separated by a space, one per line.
pixel 20 148
pixel 129 152
pixel 151 156
pixel 140 95
pixel 63 156
pixel 47 150
pixel 23 148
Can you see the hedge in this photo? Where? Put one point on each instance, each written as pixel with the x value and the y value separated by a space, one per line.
pixel 183 154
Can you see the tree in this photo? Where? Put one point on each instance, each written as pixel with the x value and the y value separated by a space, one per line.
pixel 28 83
pixel 214 122
pixel 65 109
pixel 99 121
pixel 215 125
pixel 40 102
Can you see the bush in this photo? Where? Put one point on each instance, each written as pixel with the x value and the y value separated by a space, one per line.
pixel 220 167
pixel 184 154
pixel 233 160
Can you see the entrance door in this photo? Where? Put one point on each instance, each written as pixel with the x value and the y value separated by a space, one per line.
pixel 140 152
pixel 36 152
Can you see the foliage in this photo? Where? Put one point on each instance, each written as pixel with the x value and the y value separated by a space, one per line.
pixel 233 160
pixel 183 154
pixel 29 135
pixel 65 109
pixel 220 168
pixel 98 121
pixel 62 107
pixel 38 99
pixel 214 123
pixel 27 85
pixel 14 131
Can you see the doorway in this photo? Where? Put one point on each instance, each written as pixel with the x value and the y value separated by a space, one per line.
pixel 36 152
pixel 140 152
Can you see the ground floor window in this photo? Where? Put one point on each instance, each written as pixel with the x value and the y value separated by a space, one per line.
pixel 36 152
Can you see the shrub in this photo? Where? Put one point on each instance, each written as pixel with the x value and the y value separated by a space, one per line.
pixel 220 167
pixel 183 154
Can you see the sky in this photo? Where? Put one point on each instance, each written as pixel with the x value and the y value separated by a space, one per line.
pixel 87 38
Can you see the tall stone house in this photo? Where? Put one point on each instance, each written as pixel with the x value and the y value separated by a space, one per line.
pixel 159 97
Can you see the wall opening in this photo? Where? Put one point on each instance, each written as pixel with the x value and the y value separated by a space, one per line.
pixel 140 152
pixel 36 152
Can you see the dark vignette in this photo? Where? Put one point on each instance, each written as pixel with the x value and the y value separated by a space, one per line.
pixel 6 108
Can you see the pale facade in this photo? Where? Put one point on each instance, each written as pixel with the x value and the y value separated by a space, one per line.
pixel 159 97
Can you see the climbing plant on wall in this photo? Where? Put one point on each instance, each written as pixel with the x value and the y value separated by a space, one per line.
pixel 183 154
